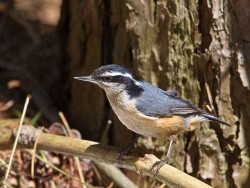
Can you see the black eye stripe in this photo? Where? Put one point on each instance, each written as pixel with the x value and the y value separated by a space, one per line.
pixel 108 78
pixel 105 78
pixel 117 78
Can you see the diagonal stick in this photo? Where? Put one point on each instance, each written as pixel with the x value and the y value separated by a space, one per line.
pixel 77 160
pixel 17 136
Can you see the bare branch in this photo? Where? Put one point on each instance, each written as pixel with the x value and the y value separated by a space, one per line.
pixel 99 153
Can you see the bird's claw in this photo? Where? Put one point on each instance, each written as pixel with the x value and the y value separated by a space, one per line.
pixel 157 166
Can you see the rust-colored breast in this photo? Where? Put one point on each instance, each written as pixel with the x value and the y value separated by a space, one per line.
pixel 170 126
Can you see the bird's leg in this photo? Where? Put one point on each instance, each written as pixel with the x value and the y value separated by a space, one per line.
pixel 125 150
pixel 158 164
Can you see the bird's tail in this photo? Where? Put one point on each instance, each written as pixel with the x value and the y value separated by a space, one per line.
pixel 212 118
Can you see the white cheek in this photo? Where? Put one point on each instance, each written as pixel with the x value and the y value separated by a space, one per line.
pixel 112 88
pixel 126 99
pixel 110 85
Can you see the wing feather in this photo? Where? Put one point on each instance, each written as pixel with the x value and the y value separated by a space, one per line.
pixel 155 102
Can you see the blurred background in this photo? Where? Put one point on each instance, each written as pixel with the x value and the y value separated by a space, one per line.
pixel 199 47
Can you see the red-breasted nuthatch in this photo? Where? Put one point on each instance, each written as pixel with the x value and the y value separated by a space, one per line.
pixel 147 109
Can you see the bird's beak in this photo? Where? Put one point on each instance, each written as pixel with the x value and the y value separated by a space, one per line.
pixel 86 78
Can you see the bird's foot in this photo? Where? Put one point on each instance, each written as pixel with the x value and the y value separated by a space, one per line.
pixel 158 164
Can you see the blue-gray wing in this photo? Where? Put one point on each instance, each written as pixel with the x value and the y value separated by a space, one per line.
pixel 155 102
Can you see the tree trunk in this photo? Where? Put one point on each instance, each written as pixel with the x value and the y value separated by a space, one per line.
pixel 200 47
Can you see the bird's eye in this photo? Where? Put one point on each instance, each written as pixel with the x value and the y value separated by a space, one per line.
pixel 107 78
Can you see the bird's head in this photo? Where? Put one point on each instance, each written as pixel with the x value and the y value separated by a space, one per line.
pixel 113 78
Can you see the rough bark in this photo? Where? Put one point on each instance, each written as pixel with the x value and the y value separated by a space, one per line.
pixel 223 40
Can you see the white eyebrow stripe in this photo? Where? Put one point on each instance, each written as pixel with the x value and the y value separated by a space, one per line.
pixel 118 74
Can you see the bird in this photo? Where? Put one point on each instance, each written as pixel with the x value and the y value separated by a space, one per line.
pixel 146 109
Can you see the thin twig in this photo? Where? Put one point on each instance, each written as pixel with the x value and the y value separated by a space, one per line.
pixel 77 160
pixel 210 98
pixel 17 136
pixel 33 156
pixel 6 106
